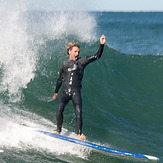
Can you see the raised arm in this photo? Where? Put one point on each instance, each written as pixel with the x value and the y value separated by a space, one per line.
pixel 99 52
pixel 102 42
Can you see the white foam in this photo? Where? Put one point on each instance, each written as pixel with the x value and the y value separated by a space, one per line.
pixel 80 24
pixel 18 50
pixel 16 56
pixel 58 25
pixel 14 134
pixel 23 33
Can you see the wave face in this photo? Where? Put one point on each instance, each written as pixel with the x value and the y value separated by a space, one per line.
pixel 122 107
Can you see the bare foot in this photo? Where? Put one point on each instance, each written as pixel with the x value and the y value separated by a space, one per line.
pixel 58 133
pixel 81 137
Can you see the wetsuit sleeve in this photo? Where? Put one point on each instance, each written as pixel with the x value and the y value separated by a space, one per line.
pixel 60 79
pixel 97 55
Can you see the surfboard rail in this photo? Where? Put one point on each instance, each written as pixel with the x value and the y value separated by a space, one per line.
pixel 98 147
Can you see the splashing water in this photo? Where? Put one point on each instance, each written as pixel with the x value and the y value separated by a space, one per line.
pixel 16 57
pixel 22 34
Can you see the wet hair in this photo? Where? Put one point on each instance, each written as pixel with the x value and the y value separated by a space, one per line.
pixel 71 45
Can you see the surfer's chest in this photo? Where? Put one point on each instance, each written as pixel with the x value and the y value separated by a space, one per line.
pixel 72 67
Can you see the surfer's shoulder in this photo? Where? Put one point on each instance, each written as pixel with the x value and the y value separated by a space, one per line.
pixel 65 62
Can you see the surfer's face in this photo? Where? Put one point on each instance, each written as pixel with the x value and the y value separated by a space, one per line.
pixel 74 53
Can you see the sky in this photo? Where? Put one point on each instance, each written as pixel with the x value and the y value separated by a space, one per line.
pixel 98 5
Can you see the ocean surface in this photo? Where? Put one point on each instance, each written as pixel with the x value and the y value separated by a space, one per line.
pixel 122 91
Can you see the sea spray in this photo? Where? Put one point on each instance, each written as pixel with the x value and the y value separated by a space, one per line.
pixel 18 133
pixel 16 57
pixel 25 36
pixel 58 25
pixel 24 33
pixel 122 94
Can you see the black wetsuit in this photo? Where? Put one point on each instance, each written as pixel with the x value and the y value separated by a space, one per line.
pixel 71 74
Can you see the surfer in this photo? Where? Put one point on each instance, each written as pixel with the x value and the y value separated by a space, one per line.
pixel 71 74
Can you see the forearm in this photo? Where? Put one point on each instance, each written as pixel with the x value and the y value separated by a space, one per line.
pixel 97 55
pixel 100 51
pixel 59 80
pixel 58 85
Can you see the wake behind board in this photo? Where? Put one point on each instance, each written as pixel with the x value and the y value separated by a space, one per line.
pixel 98 147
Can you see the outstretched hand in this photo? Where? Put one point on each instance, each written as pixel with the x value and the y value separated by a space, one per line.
pixel 102 39
pixel 54 96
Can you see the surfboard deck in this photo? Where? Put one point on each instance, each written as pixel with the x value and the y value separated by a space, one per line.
pixel 98 147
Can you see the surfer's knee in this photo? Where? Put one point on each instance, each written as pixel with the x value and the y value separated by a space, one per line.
pixel 60 110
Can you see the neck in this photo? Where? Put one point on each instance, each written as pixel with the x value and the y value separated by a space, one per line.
pixel 73 59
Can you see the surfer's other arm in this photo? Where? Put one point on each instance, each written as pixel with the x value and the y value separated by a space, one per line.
pixel 59 82
pixel 55 96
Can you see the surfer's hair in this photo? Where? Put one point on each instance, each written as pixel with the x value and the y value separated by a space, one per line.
pixel 71 45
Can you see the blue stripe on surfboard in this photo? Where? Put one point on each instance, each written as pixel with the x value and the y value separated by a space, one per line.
pixel 98 147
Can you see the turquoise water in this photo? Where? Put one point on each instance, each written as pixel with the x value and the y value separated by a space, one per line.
pixel 122 92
